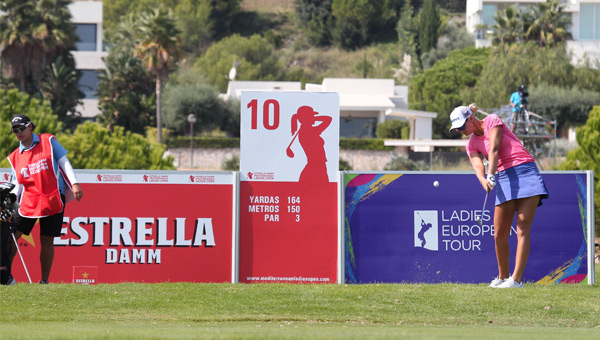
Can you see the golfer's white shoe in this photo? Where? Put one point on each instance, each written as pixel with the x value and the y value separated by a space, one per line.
pixel 510 283
pixel 496 282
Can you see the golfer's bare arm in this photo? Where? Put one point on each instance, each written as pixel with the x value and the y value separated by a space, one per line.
pixel 479 168
pixel 326 120
pixel 495 138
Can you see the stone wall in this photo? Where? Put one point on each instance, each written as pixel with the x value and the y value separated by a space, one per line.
pixel 204 159
pixel 212 159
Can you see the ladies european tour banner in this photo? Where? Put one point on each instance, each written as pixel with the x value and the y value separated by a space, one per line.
pixel 141 226
pixel 289 157
pixel 431 228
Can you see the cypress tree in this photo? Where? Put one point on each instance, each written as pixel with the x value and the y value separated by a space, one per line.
pixel 429 26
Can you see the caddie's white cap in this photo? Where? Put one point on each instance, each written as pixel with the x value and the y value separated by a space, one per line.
pixel 459 116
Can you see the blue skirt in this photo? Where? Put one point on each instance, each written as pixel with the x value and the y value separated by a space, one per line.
pixel 520 181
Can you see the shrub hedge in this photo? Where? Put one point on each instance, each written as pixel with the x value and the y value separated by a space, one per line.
pixel 224 142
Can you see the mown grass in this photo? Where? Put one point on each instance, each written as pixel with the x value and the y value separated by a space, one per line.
pixel 276 311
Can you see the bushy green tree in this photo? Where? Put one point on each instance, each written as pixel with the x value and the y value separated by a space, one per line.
pixel 12 102
pixel 357 22
pixel 351 24
pixel 201 21
pixel 126 89
pixel 316 18
pixel 126 94
pixel 197 28
pixel 454 6
pixel 568 106
pixel 403 163
pixel 254 57
pixel 92 146
pixel 202 101
pixel 222 14
pixel 587 156
pixel 454 37
pixel 443 86
pixel 392 129
pixel 347 23
pixel 530 65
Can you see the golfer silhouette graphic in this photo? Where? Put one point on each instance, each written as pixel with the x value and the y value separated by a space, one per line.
pixel 421 235
pixel 309 136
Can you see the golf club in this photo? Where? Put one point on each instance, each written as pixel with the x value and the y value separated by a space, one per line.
pixel 21 256
pixel 289 151
pixel 482 209
pixel 423 221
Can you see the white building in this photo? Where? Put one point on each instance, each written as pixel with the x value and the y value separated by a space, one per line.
pixel 364 103
pixel 87 18
pixel 585 27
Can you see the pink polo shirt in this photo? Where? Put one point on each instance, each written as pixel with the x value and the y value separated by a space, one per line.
pixel 511 152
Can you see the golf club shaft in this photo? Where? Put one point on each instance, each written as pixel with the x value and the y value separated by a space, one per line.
pixel 21 256
pixel 421 218
pixel 482 209
pixel 293 139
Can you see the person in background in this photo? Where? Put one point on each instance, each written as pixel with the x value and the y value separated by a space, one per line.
pixel 520 188
pixel 515 102
pixel 44 181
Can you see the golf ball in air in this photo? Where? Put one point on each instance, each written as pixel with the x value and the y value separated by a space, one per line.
pixel 436 184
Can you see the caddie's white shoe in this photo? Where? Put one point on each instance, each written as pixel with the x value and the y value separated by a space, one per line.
pixel 496 282
pixel 510 283
pixel 11 281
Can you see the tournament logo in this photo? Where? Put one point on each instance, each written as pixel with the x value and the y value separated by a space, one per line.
pixel 426 229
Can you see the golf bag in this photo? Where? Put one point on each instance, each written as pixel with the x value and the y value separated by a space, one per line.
pixel 8 205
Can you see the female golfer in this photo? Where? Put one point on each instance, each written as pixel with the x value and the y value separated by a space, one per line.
pixel 520 187
pixel 309 136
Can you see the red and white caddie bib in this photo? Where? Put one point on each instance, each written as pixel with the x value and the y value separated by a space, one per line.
pixel 34 169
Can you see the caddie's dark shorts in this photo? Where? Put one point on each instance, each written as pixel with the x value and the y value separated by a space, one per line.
pixel 49 225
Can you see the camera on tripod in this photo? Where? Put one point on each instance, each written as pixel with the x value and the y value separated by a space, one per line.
pixel 524 94
pixel 8 201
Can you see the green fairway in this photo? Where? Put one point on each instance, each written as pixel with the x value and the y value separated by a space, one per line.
pixel 286 311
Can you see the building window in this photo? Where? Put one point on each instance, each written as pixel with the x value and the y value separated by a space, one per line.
pixel 487 15
pixel 88 84
pixel 351 127
pixel 589 24
pixel 87 37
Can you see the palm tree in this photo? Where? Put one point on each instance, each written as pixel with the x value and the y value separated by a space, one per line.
pixel 508 27
pixel 32 35
pixel 19 48
pixel 159 46
pixel 126 89
pixel 61 88
pixel 547 23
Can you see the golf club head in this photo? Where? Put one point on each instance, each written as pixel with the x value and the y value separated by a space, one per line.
pixel 289 152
